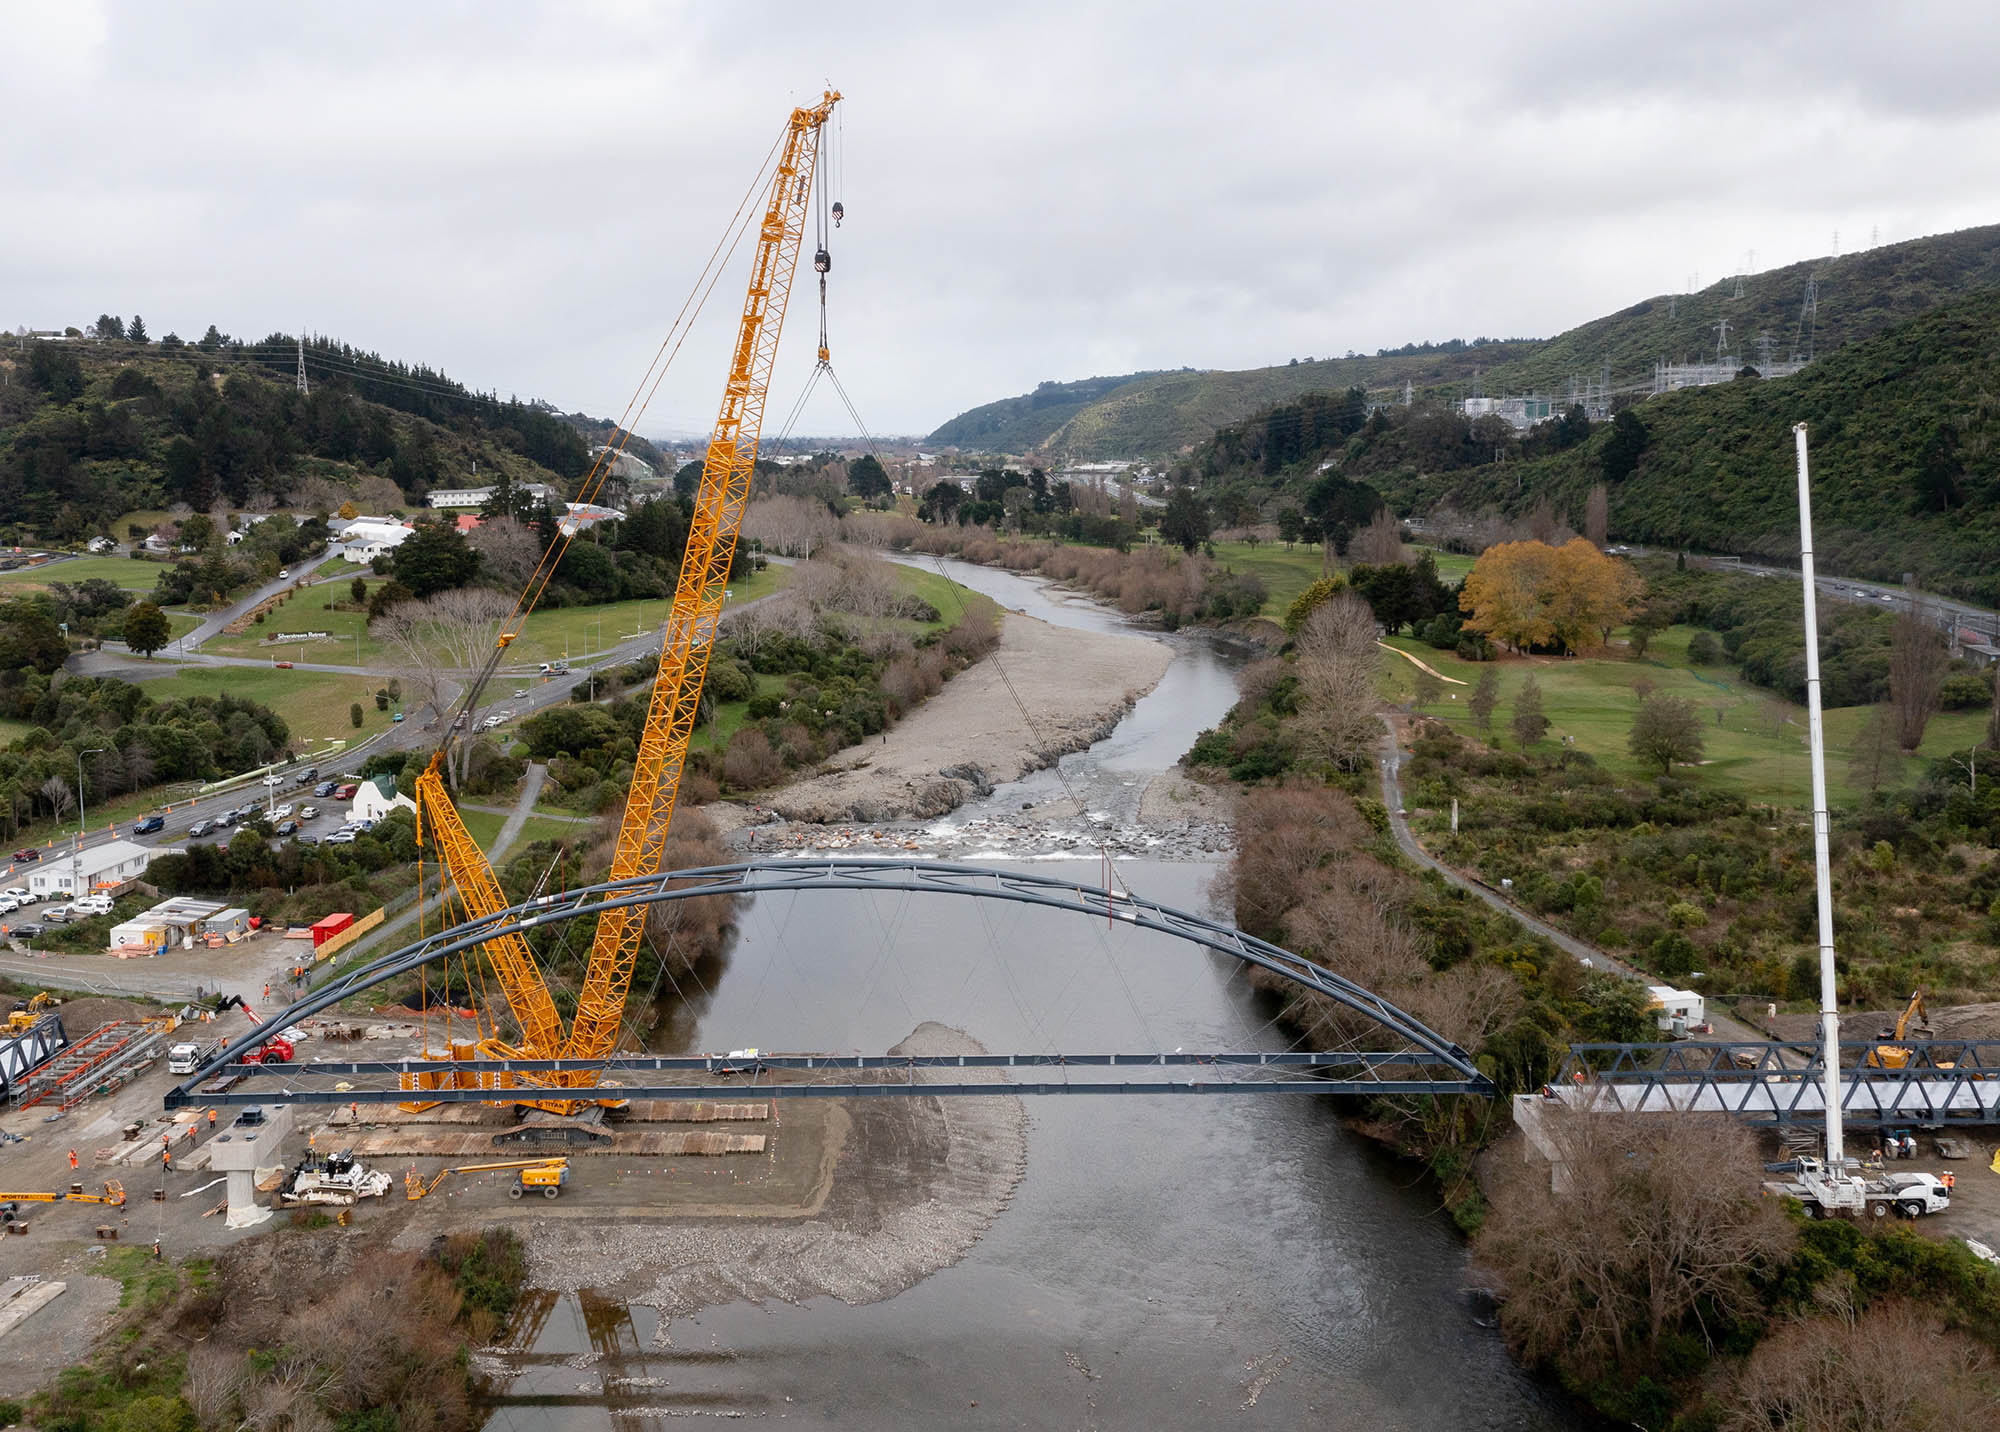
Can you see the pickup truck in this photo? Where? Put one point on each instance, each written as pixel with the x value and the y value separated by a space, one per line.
pixel 188 1057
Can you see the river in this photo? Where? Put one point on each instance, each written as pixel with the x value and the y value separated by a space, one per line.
pixel 1167 1262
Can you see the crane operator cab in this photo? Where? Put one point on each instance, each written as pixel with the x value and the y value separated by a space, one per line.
pixel 822 261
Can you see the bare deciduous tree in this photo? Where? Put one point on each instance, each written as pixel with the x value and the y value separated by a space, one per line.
pixel 1661 1222
pixel 1597 516
pixel 790 526
pixel 1877 757
pixel 508 552
pixel 1380 543
pixel 436 639
pixel 1917 661
pixel 1338 665
pixel 56 791
pixel 1896 1365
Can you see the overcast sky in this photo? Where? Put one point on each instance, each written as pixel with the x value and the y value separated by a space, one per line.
pixel 522 194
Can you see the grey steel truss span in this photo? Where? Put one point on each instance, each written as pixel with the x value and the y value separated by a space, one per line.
pixel 1944 1082
pixel 1417 1061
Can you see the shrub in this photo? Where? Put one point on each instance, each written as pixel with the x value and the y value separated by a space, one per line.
pixel 1704 649
pixel 749 763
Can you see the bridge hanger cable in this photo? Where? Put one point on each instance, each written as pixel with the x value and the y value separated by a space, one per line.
pixel 1069 788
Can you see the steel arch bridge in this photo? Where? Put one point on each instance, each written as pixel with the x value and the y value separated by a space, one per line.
pixel 1415 1061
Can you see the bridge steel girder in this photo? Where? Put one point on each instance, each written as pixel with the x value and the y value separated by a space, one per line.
pixel 1423 1048
pixel 1752 1081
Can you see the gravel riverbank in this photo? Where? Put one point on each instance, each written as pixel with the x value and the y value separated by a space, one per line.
pixel 919 1179
pixel 971 736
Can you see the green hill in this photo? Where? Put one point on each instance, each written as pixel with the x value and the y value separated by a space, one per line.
pixel 1164 414
pixel 1905 430
pixel 92 430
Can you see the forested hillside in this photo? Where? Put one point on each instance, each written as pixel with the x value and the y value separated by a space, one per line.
pixel 1163 414
pixel 92 428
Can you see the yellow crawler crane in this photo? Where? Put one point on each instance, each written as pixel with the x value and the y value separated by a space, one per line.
pixel 689 641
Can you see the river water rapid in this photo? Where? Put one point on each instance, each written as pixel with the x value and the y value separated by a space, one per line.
pixel 1181 1261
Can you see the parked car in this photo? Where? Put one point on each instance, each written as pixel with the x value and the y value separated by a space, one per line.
pixel 360 826
pixel 306 837
pixel 201 828
pixel 288 827
pixel 8 904
pixel 150 824
pixel 27 931
pixel 56 914
pixel 24 857
pixel 92 905
pixel 342 836
pixel 227 819
pixel 308 812
pixel 17 892
pixel 490 722
pixel 344 791
pixel 283 812
pixel 326 788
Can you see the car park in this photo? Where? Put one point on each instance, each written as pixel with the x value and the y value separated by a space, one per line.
pixel 23 857
pixel 150 824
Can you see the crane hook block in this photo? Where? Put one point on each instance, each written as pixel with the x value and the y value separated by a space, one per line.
pixel 822 261
pixel 839 212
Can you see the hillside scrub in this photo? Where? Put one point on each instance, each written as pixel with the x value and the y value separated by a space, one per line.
pixel 1661 1284
pixel 367 1338
pixel 146 741
pixel 1613 861
pixel 1899 424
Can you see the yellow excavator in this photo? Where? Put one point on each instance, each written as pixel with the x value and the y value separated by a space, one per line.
pixel 26 1012
pixel 546 1175
pixel 1892 1052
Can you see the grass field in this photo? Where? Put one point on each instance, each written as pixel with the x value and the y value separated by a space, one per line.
pixel 1757 747
pixel 1287 572
pixel 312 703
pixel 484 826
pixel 11 731
pixel 131 575
pixel 575 632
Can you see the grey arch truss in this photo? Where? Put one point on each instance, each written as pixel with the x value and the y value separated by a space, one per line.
pixel 1414 1060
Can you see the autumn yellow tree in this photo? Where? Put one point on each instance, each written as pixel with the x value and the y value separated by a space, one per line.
pixel 1529 594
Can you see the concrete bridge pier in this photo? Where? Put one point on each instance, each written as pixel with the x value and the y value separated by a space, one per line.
pixel 254 1142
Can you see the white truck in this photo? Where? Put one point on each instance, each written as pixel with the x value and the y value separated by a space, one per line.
pixel 190 1056
pixel 1911 1194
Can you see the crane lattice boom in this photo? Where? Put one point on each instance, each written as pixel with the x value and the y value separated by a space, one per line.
pixel 691 632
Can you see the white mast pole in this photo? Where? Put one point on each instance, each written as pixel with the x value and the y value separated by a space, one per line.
pixel 1829 1010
